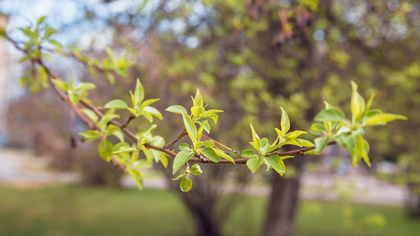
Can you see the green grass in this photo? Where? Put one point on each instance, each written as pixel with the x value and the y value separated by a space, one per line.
pixel 72 210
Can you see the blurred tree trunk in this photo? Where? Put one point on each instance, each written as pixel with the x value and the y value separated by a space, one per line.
pixel 412 203
pixel 283 201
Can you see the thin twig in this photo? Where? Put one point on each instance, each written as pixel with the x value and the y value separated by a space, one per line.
pixel 129 119
pixel 182 134
pixel 228 148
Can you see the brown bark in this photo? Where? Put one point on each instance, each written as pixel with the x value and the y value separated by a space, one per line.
pixel 283 201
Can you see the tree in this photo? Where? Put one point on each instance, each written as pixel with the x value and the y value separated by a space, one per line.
pixel 333 127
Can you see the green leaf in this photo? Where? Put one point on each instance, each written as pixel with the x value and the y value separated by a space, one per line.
pixel 198 99
pixel 148 153
pixel 160 142
pixel 206 126
pixel 106 119
pixel 196 169
pixel 122 147
pixel 369 103
pixel 190 127
pixel 210 154
pixel 115 130
pixel 332 114
pixel 91 135
pixel 111 55
pixel 179 177
pixel 138 178
pixel 153 111
pixel 185 185
pixel 276 163
pixel 306 143
pixel 321 143
pixel 197 145
pixel 149 102
pixel 116 104
pixel 105 150
pixel 85 86
pixel 48 32
pixel 214 117
pixel 181 158
pixel 147 115
pixel 138 94
pixel 40 20
pixel 25 58
pixel 184 147
pixel 285 122
pixel 164 161
pixel 177 109
pixel 208 143
pixel 357 103
pixel 90 114
pixel 295 134
pixel 224 155
pixel 196 111
pixel 248 154
pixel 384 117
pixel 61 84
pixel 209 113
pixel 254 163
pixel 74 98
pixel 317 129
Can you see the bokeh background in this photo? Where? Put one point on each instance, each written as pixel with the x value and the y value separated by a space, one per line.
pixel 249 58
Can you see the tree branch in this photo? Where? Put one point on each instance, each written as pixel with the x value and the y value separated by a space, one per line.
pixel 182 134
pixel 132 136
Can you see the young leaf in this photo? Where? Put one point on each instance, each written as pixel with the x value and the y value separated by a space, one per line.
pixel 149 102
pixel 138 94
pixel 184 147
pixel 74 98
pixel 378 119
pixel 210 154
pixel 177 109
pixel 190 127
pixel 116 104
pixel 254 163
pixel 179 177
pixel 208 143
pixel 321 143
pixel 276 163
pixel 332 114
pixel 198 99
pixel 295 134
pixel 185 185
pixel 61 84
pixel 224 155
pixel 181 158
pixel 317 129
pixel 196 111
pixel 285 122
pixel 357 103
pixel 115 130
pixel 105 150
pixel 153 111
pixel 91 135
pixel 196 169
pixel 85 86
pixel 90 114
pixel 306 143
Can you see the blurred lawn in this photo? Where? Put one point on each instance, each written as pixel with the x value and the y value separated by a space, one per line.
pixel 72 210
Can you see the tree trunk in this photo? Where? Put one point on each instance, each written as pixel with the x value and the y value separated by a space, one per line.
pixel 412 203
pixel 283 201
